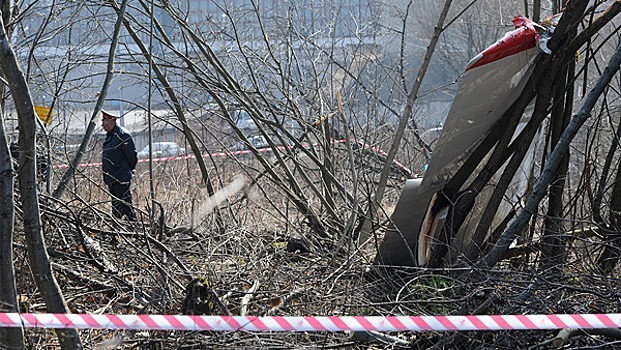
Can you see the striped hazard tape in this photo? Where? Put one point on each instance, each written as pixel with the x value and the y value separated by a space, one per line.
pixel 311 323
pixel 168 159
pixel 247 151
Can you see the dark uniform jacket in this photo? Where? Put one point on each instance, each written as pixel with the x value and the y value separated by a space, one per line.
pixel 119 156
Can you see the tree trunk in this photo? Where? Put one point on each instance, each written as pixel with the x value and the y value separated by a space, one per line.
pixel 609 258
pixel 536 10
pixel 10 338
pixel 37 253
pixel 553 247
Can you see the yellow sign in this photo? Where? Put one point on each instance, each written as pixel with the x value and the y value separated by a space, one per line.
pixel 44 113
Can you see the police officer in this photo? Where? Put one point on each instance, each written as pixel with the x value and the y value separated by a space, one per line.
pixel 119 160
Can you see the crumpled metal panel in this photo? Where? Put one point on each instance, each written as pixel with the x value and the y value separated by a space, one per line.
pixel 490 84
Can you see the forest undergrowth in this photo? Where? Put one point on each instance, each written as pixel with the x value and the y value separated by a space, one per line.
pixel 252 262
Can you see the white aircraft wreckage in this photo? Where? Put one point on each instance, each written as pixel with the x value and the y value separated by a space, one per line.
pixel 490 84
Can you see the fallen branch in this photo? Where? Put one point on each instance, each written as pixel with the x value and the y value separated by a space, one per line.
pixel 247 298
pixel 91 282
pixel 564 334
pixel 378 337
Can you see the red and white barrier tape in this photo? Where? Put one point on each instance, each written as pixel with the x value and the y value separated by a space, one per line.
pixel 166 159
pixel 311 323
pixel 236 153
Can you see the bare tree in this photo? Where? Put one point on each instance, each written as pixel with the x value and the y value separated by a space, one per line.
pixel 10 338
pixel 96 112
pixel 27 176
